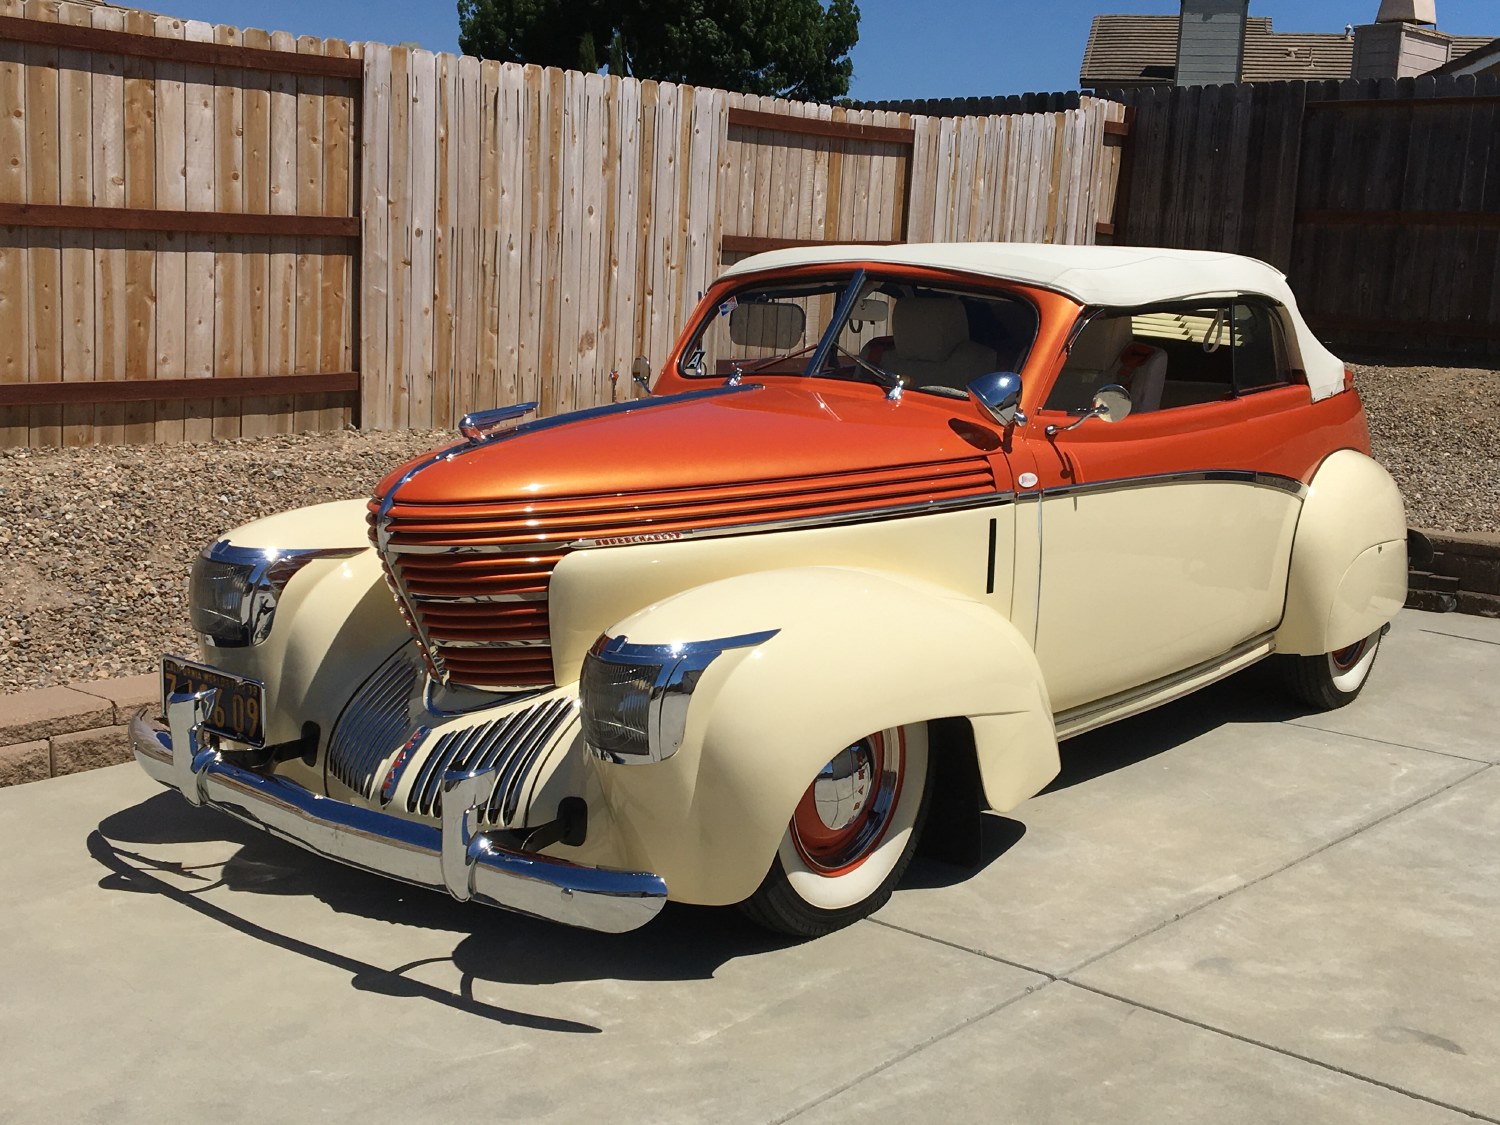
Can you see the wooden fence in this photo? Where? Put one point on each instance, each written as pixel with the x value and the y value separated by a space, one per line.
pixel 1379 199
pixel 208 233
pixel 529 231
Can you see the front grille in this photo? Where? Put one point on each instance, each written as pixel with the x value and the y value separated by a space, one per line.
pixel 376 722
pixel 388 713
pixel 473 577
pixel 511 745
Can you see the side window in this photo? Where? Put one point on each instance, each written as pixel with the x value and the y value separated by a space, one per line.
pixel 1260 354
pixel 1169 356
pixel 1166 356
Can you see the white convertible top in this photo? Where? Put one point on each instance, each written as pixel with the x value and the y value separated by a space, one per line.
pixel 1111 276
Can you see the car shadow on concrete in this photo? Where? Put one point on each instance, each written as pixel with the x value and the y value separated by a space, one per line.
pixel 685 942
pixel 1251 696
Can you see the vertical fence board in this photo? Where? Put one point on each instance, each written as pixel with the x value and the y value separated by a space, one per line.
pixel 229 261
pixel 281 271
pixel 76 167
pixel 375 391
pixel 399 265
pixel 511 236
pixel 255 345
pixel 340 197
pixel 15 290
pixel 423 160
pixel 140 247
pixel 468 275
pixel 171 260
pixel 446 187
pixel 308 351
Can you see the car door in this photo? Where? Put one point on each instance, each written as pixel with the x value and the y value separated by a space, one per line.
pixel 1165 536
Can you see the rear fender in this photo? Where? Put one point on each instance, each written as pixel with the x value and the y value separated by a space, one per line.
pixel 854 651
pixel 1348 570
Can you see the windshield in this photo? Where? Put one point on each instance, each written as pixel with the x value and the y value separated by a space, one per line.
pixel 929 337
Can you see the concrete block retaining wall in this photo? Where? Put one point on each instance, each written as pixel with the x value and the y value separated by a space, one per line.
pixel 54 731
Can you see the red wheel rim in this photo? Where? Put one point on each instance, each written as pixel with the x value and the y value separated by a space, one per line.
pixel 841 846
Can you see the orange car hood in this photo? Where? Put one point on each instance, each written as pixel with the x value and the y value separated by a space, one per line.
pixel 753 433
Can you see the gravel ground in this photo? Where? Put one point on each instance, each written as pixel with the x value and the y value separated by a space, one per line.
pixel 96 543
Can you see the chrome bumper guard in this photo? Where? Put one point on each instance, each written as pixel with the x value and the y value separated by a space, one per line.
pixel 456 857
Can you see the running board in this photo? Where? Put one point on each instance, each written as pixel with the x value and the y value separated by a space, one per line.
pixel 1078 720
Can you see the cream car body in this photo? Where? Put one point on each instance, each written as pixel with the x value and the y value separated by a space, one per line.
pixel 742 675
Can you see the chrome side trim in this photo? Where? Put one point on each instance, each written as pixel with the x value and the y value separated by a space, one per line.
pixel 1077 720
pixel 1233 476
pixel 838 519
pixel 455 857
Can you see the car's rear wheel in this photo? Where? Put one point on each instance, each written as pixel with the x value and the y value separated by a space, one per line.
pixel 1333 679
pixel 851 837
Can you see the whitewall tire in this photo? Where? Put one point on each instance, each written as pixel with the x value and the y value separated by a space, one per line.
pixel 1333 679
pixel 851 837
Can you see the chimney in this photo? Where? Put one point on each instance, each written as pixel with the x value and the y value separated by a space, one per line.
pixel 1397 45
pixel 1211 41
pixel 1408 11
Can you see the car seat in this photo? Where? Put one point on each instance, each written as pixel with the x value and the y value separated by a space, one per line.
pixel 931 346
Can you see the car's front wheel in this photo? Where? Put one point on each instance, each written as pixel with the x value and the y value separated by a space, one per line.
pixel 1333 679
pixel 851 837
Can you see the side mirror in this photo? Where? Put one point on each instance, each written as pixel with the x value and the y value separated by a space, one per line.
pixel 999 393
pixel 640 374
pixel 1111 402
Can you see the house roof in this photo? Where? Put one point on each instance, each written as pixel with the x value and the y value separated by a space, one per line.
pixel 1110 276
pixel 1136 49
pixel 1474 60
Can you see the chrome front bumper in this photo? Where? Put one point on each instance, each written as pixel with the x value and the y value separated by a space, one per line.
pixel 455 857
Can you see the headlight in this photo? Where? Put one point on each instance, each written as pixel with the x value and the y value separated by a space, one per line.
pixel 635 697
pixel 233 592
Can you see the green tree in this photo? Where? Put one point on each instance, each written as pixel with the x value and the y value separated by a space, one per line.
pixel 787 48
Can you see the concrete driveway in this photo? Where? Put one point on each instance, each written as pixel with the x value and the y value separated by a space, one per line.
pixel 1222 911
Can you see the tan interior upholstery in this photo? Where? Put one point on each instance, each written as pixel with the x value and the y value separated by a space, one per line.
pixel 1098 358
pixel 932 344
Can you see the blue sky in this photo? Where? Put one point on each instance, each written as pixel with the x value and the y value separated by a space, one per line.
pixel 907 48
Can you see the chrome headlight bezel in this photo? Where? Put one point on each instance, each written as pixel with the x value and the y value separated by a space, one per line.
pixel 635 697
pixel 233 591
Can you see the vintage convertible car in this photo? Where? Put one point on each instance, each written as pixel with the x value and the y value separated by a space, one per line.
pixel 890 523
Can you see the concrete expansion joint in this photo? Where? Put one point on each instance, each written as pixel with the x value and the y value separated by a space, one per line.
pixel 1384 741
pixel 1309 1059
pixel 1067 976
pixel 916 1048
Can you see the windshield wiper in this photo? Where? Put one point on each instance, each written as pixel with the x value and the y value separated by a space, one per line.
pixel 893 383
pixel 743 369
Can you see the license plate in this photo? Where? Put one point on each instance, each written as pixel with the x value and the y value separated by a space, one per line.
pixel 239 705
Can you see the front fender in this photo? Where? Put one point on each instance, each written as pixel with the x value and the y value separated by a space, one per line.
pixel 855 651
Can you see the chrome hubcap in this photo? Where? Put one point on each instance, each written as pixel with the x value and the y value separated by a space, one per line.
pixel 843 786
pixel 844 813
